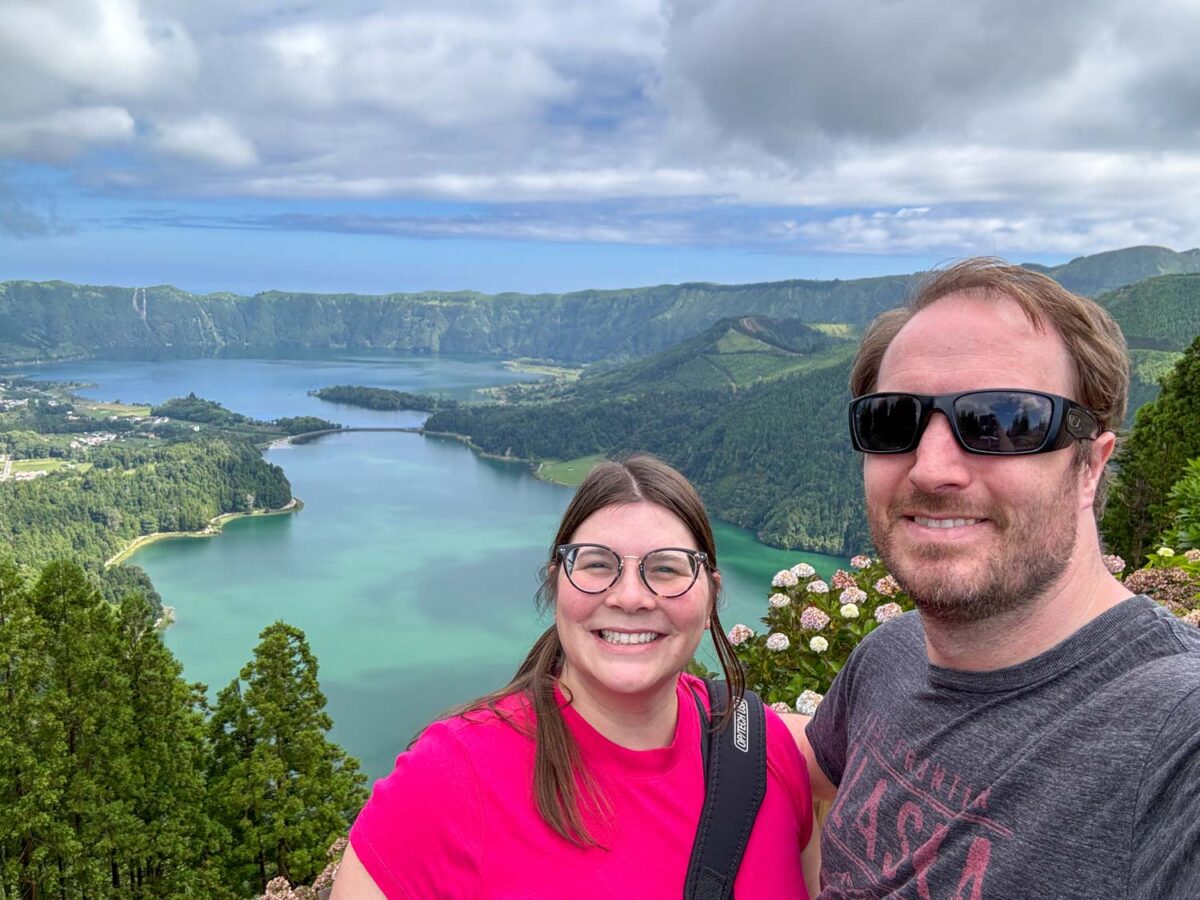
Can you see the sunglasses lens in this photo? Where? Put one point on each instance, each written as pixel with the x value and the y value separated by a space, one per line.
pixel 1003 421
pixel 886 423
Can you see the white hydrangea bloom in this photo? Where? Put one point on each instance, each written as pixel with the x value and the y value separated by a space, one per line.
pixel 779 600
pixel 778 641
pixel 784 578
pixel 849 611
pixel 817 587
pixel 740 633
pixel 818 644
pixel 803 570
pixel 806 703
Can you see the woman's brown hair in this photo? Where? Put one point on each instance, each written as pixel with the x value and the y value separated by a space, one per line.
pixel 558 771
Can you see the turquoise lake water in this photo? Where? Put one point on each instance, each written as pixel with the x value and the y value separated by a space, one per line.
pixel 413 564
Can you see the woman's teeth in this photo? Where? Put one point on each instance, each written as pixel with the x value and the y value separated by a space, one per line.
pixel 624 637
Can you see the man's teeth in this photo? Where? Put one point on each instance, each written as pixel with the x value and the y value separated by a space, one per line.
pixel 944 523
pixel 624 637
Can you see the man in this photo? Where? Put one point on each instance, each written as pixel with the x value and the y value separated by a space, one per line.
pixel 1033 729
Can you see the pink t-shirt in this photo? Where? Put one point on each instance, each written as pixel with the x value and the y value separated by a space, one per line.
pixel 456 818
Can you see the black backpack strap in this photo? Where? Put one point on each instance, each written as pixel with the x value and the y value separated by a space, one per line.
pixel 735 782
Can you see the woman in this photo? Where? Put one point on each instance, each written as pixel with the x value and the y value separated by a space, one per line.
pixel 583 777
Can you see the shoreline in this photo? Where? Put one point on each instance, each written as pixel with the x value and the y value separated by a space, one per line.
pixel 214 527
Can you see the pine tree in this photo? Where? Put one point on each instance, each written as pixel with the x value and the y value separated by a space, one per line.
pixel 1165 435
pixel 280 787
pixel 32 744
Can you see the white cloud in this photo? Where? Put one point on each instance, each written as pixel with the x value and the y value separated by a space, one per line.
pixel 205 139
pixel 1019 125
pixel 59 135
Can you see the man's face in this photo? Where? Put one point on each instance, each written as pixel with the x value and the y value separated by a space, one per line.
pixel 969 536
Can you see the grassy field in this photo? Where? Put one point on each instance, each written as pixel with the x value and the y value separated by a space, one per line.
pixel 570 471
pixel 104 410
pixel 47 464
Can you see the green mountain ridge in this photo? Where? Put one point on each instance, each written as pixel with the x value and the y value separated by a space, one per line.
pixel 56 320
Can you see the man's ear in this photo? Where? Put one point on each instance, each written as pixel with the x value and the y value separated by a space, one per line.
pixel 1100 452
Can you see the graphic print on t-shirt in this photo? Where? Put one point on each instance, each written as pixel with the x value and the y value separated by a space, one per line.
pixel 903 817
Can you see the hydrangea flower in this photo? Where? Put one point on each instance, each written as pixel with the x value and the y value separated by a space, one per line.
pixel 860 561
pixel 818 644
pixel 888 586
pixel 849 610
pixel 780 707
pixel 887 611
pixel 853 595
pixel 779 600
pixel 740 633
pixel 843 579
pixel 813 618
pixel 1114 564
pixel 785 578
pixel 803 570
pixel 806 703
pixel 1193 618
pixel 817 587
pixel 1165 552
pixel 778 641
pixel 1192 556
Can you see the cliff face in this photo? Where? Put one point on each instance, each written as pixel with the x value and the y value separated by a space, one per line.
pixel 54 320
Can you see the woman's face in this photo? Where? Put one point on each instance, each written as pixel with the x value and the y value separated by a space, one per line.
pixel 627 645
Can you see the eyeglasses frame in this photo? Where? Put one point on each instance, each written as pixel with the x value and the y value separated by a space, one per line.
pixel 1069 421
pixel 699 556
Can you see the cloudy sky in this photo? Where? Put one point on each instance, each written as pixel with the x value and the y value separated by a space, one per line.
pixel 562 144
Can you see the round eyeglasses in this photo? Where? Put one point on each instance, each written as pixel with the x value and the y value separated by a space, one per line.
pixel 667 572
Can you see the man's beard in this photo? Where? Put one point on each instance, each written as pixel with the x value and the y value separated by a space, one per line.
pixel 1031 549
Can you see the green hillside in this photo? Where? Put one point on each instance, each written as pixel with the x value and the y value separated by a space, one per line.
pixel 56 320
pixel 736 353
pixel 1101 272
pixel 1159 313
pixel 767 448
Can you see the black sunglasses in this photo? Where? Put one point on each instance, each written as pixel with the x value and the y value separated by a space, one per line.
pixel 995 422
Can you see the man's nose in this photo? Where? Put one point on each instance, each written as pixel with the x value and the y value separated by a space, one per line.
pixel 939 461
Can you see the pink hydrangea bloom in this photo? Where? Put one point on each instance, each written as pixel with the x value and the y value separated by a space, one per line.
pixel 1192 556
pixel 1193 618
pixel 860 561
pixel 778 641
pixel 813 618
pixel 843 579
pixel 740 633
pixel 780 707
pixel 806 703
pixel 1114 563
pixel 888 586
pixel 817 587
pixel 853 595
pixel 887 611
pixel 779 600
pixel 785 578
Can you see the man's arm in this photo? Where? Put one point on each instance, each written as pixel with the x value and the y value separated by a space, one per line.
pixel 823 789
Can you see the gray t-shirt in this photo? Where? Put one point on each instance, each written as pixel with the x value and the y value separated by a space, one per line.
pixel 1075 774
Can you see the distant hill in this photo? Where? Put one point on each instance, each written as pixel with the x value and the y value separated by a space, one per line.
pixel 1101 272
pixel 1159 313
pixel 735 352
pixel 56 320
